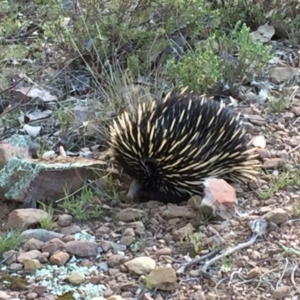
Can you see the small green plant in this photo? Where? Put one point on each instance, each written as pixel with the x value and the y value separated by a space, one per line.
pixel 47 222
pixel 267 194
pixel 252 55
pixel 110 190
pixel 148 284
pixel 9 241
pixel 82 206
pixel 280 103
pixel 287 179
pixel 64 117
pixel 214 60
pixel 294 26
pixel 12 282
pixel 227 264
pixel 200 69
pixel 9 120
pixel 195 240
pixel 41 150
pixel 232 11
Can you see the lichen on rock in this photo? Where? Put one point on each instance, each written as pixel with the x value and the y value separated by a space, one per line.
pixel 16 176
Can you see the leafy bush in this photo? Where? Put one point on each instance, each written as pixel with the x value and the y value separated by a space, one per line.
pixel 231 58
pixel 252 55
pixel 128 36
pixel 200 69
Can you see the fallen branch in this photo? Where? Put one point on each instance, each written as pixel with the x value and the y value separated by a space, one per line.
pixel 258 228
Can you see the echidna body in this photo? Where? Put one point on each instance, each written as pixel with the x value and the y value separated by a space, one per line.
pixel 169 148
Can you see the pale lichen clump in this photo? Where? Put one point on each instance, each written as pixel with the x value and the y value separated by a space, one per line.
pixel 16 176
pixel 53 277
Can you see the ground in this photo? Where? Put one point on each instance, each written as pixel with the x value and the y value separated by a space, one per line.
pixel 63 80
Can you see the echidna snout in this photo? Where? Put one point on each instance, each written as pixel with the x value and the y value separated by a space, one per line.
pixel 145 186
pixel 169 148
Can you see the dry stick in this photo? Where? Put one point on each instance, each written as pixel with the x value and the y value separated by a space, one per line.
pixel 197 259
pixel 294 149
pixel 283 273
pixel 294 268
pixel 258 228
pixel 226 253
pixel 293 275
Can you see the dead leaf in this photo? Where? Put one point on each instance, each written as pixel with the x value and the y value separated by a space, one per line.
pixel 32 131
pixel 29 92
pixel 38 114
pixel 263 33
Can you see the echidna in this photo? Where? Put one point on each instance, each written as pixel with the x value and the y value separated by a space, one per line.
pixel 168 148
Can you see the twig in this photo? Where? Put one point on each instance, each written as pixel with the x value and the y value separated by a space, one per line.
pixel 226 253
pixel 197 259
pixel 258 228
pixel 12 86
pixel 282 275
pixel 297 147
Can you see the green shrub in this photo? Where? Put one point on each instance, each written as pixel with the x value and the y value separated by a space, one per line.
pixel 252 56
pixel 231 58
pixel 200 69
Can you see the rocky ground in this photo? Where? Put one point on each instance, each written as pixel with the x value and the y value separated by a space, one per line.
pixel 147 250
pixel 150 251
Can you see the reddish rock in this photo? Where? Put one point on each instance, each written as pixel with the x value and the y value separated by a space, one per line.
pixel 69 238
pixel 102 230
pixel 219 200
pixel 64 220
pixel 59 258
pixel 26 217
pixel 97 279
pixel 220 192
pixel 263 153
pixel 105 245
pixel 33 244
pixel 33 254
pixel 39 290
pixel 175 211
pixel 164 251
pixel 273 163
pixel 53 246
pixel 82 248
pixel 31 296
pixel 70 229
pixel 115 260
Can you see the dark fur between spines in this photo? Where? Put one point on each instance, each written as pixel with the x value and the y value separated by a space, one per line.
pixel 170 147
